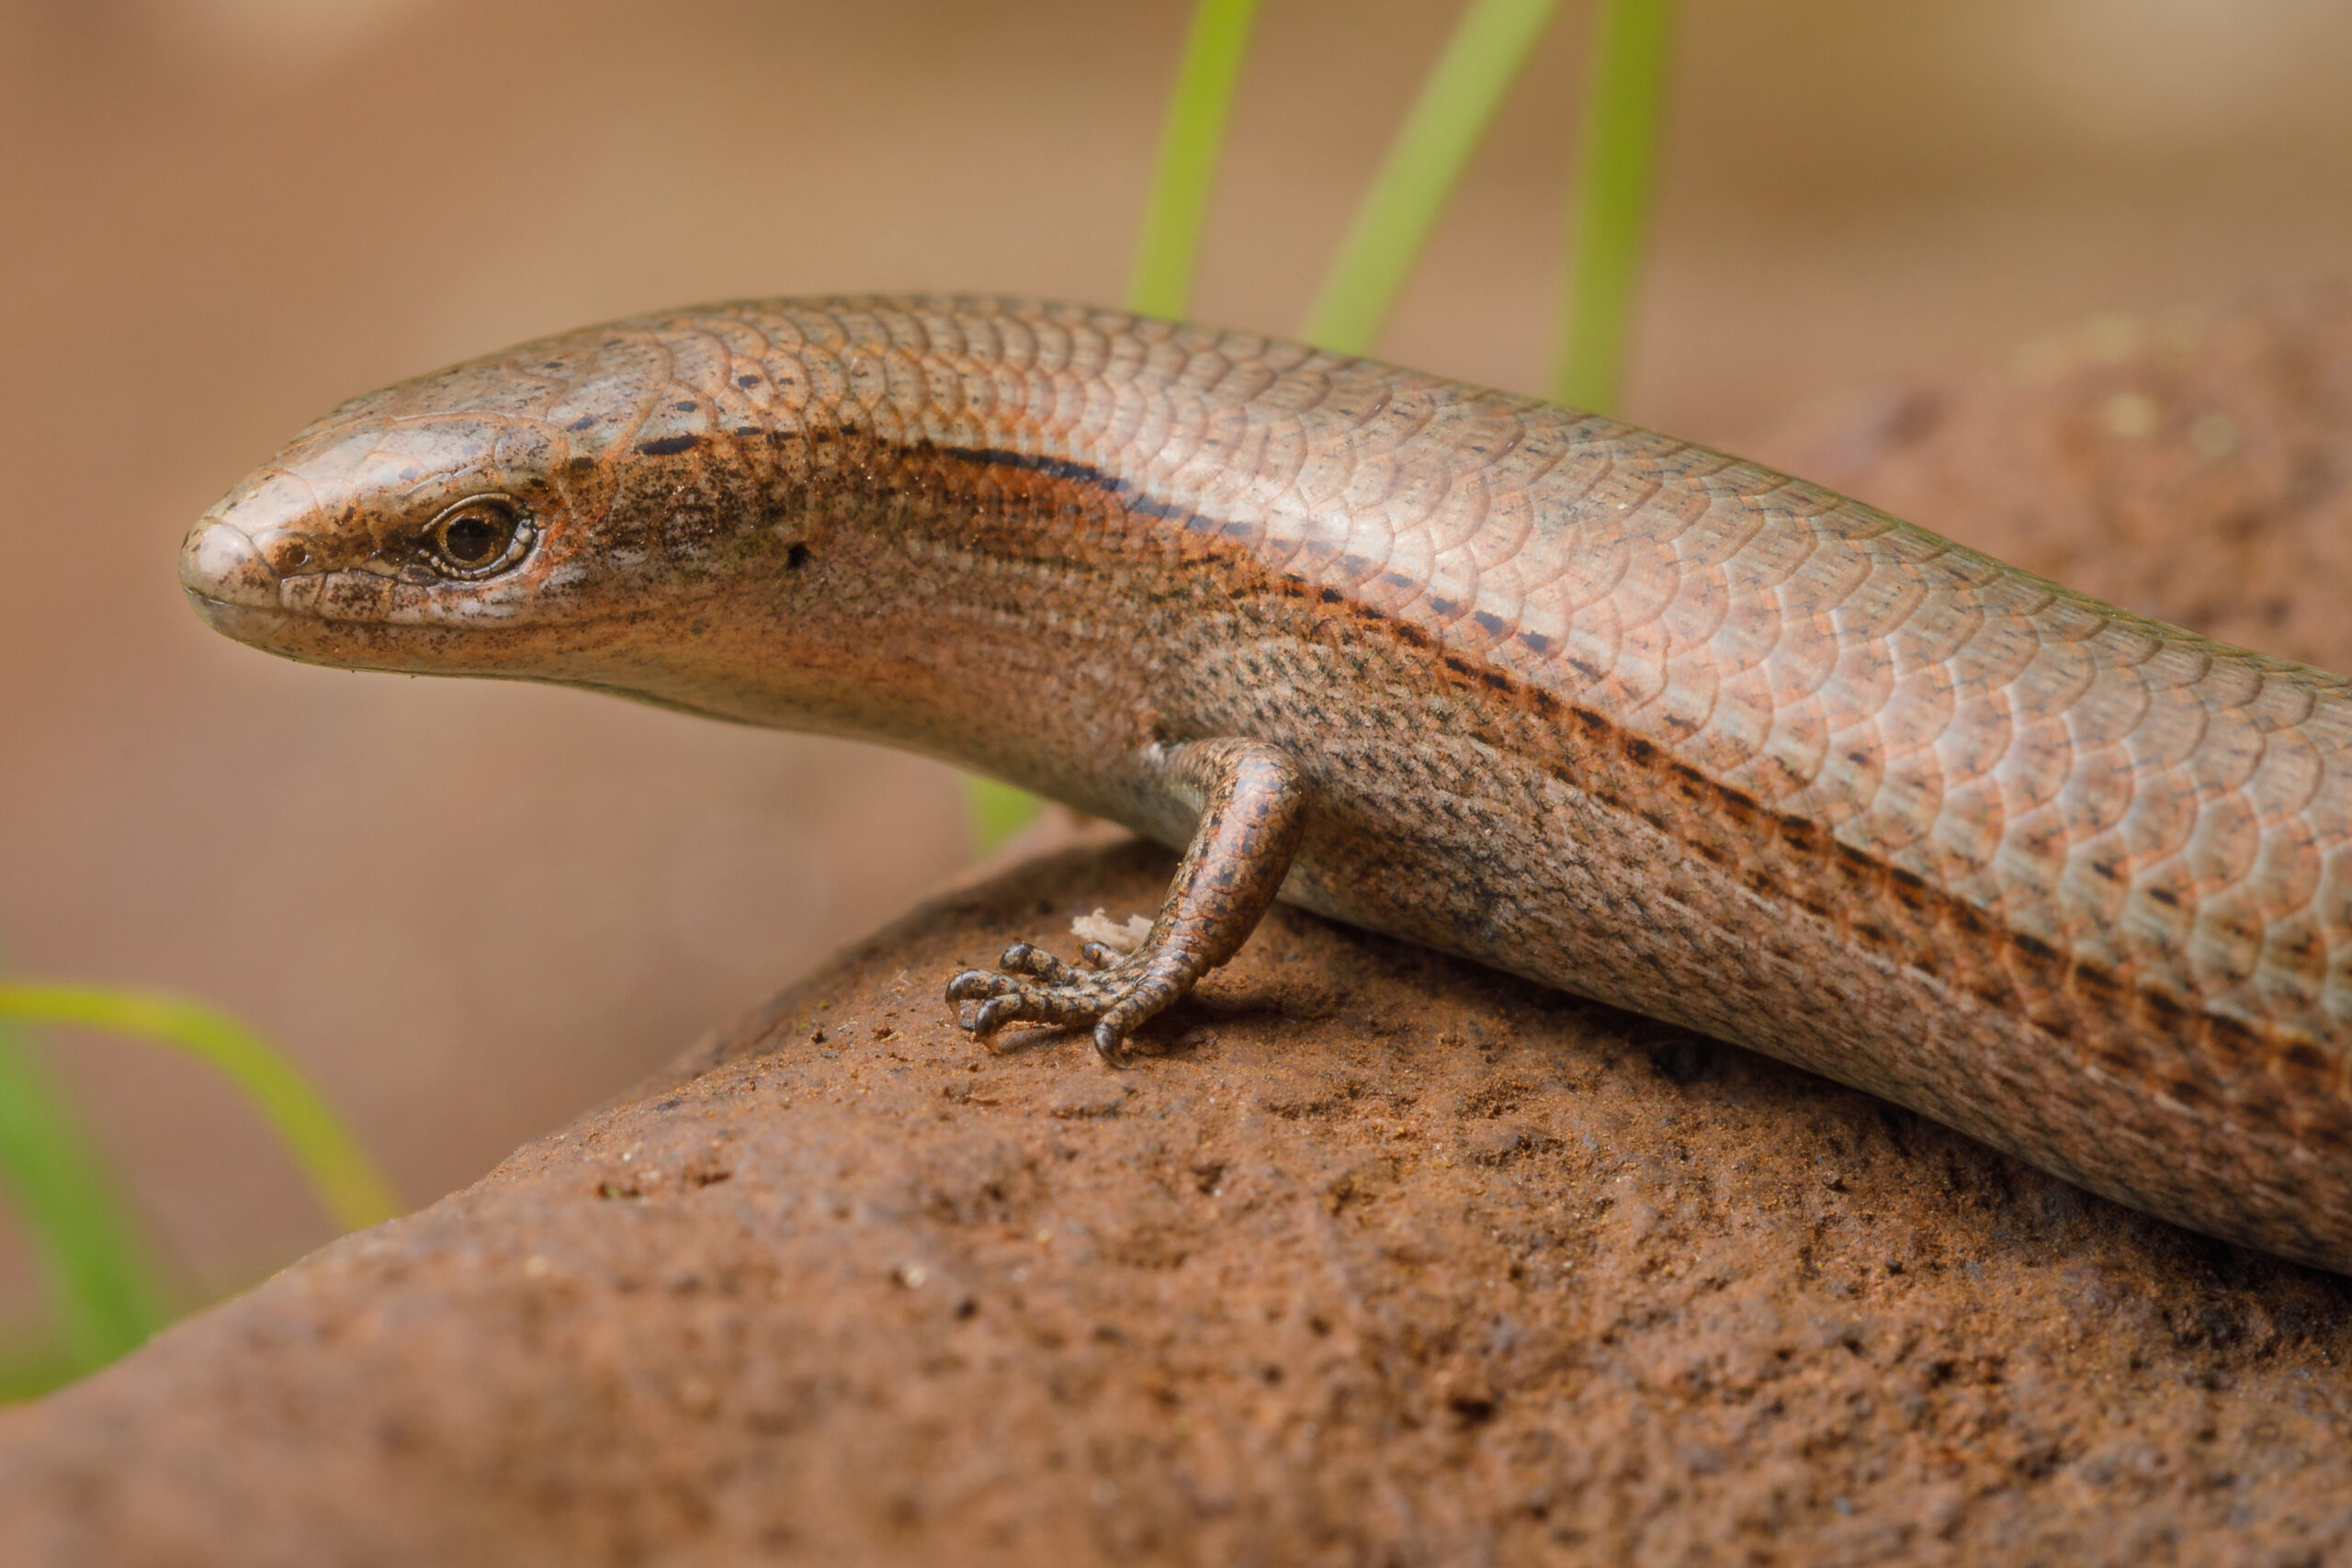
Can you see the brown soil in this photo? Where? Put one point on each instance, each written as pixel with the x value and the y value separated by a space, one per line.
pixel 1379 1257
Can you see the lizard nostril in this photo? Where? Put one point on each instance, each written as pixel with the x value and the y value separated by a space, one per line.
pixel 220 562
pixel 288 553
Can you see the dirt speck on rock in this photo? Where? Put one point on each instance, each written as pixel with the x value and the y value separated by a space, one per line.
pixel 1371 1256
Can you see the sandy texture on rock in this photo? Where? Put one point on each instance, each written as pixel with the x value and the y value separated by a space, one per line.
pixel 1378 1258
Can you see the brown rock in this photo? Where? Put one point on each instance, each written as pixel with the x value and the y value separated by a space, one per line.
pixel 1381 1257
pixel 1384 1258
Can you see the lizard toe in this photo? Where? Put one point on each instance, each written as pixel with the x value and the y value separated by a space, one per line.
pixel 972 985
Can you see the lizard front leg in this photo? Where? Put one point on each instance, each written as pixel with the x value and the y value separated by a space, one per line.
pixel 1253 801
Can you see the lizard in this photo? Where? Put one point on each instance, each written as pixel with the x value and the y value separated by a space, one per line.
pixel 1582 702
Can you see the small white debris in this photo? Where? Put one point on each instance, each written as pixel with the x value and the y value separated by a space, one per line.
pixel 1099 927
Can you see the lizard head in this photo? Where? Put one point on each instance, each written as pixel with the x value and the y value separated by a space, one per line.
pixel 438 526
pixel 730 510
pixel 556 512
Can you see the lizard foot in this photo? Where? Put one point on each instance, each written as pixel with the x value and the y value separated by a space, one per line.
pixel 1252 807
pixel 1115 992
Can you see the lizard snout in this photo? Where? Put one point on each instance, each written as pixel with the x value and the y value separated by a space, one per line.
pixel 220 564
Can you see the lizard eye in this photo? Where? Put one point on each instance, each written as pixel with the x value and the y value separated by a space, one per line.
pixel 479 537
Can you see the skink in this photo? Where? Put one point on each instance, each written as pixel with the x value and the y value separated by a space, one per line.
pixel 1587 704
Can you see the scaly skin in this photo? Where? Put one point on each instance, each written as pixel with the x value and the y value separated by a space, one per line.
pixel 1593 706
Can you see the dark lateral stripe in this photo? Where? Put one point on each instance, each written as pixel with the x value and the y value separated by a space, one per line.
pixel 668 446
pixel 1135 500
pixel 1056 467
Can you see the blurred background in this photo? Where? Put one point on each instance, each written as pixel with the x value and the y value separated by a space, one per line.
pixel 223 216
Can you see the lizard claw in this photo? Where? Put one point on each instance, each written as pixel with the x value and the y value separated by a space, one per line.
pixel 1116 993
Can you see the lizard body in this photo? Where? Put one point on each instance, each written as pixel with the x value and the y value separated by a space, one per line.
pixel 1579 701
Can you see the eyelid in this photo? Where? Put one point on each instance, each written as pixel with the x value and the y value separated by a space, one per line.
pixel 518 545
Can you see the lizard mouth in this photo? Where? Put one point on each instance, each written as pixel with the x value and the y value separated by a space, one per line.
pixel 275 594
pixel 242 622
pixel 311 639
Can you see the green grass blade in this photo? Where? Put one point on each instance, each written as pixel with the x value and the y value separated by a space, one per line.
pixel 998 812
pixel 346 1180
pixel 1190 142
pixel 29 1369
pixel 106 1290
pixel 1624 99
pixel 1488 46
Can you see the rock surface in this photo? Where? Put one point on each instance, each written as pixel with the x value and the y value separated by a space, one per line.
pixel 1378 1258
pixel 1384 1258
